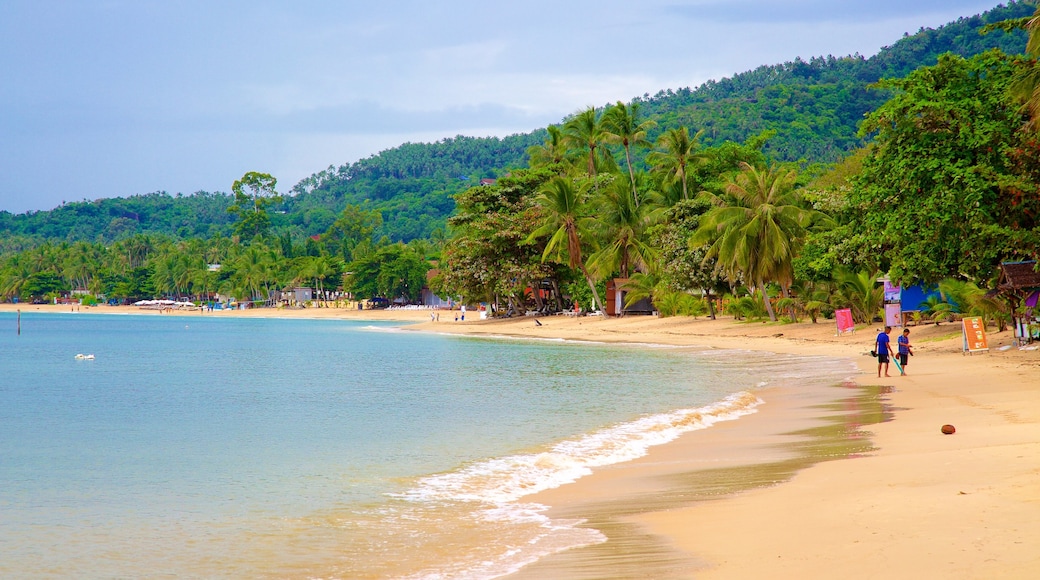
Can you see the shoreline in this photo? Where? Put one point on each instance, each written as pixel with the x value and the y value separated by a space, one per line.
pixel 915 504
pixel 918 504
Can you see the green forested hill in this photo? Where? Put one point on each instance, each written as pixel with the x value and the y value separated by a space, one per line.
pixel 412 184
pixel 814 107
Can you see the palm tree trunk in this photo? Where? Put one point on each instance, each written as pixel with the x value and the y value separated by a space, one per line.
pixel 557 295
pixel 536 292
pixel 790 309
pixel 765 299
pixel 592 286
pixel 711 305
pixel 631 174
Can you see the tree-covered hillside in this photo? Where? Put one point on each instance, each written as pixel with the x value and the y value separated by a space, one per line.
pixel 814 107
pixel 412 185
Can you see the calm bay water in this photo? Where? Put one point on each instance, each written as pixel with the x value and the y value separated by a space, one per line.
pixel 228 447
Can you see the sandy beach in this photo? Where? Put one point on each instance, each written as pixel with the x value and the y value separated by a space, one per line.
pixel 857 481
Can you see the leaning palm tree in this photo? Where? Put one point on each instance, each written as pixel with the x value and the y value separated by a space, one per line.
pixel 621 125
pixel 677 151
pixel 562 204
pixel 755 227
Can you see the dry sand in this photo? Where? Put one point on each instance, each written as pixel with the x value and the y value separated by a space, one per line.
pixel 857 482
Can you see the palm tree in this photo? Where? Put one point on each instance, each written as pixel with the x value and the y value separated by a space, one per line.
pixel 320 268
pixel 552 151
pixel 562 204
pixel 755 227
pixel 252 271
pixel 1026 86
pixel 621 125
pixel 677 151
pixel 15 274
pixel 585 132
pixel 621 226
pixel 859 292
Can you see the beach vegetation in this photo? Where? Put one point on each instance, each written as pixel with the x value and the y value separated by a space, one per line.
pixel 756 226
pixel 563 217
pixel 253 193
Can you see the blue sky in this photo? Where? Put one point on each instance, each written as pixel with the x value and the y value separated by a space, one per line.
pixel 111 98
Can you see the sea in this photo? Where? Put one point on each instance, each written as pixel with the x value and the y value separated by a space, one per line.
pixel 217 447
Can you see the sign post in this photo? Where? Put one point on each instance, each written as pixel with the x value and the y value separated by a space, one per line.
pixel 974 331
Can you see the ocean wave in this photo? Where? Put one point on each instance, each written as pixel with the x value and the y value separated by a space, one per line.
pixel 506 479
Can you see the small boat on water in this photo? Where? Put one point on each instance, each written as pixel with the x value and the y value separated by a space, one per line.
pixel 82 356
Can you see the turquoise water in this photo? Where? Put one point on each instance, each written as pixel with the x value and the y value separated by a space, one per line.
pixel 232 447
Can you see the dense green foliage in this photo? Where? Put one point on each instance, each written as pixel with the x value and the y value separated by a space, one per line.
pixel 812 108
pixel 816 106
pixel 949 188
pixel 201 214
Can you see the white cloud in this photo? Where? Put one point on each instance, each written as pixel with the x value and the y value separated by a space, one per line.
pixel 131 97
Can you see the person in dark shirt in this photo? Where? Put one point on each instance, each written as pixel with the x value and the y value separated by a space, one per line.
pixel 905 350
pixel 883 348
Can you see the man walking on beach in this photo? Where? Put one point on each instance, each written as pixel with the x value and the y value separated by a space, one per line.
pixel 905 349
pixel 883 348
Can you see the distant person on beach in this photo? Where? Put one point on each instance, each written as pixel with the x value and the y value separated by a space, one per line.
pixel 905 350
pixel 883 348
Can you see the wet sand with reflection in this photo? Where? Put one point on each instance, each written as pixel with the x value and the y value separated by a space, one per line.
pixel 793 431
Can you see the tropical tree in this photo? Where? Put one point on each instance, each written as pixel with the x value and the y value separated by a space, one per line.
pixel 15 275
pixel 252 271
pixel 319 269
pixel 621 227
pixel 974 301
pixel 254 192
pixel 622 125
pixel 950 187
pixel 677 150
pixel 682 265
pixel 755 227
pixel 562 203
pixel 860 292
pixel 585 132
pixel 488 255
pixel 552 151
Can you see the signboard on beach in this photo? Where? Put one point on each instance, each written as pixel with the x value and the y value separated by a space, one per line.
pixel 893 293
pixel 974 335
pixel 893 314
pixel 844 319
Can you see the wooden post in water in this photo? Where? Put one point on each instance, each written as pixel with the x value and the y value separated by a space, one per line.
pixel 19 322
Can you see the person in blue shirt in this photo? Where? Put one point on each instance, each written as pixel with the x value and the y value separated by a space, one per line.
pixel 883 348
pixel 905 350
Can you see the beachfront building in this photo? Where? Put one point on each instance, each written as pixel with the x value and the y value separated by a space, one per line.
pixel 616 295
pixel 1019 284
pixel 428 298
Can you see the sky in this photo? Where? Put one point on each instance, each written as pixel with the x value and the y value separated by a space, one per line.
pixel 113 98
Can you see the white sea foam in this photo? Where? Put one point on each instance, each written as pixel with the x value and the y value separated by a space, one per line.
pixel 497 484
pixel 507 479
